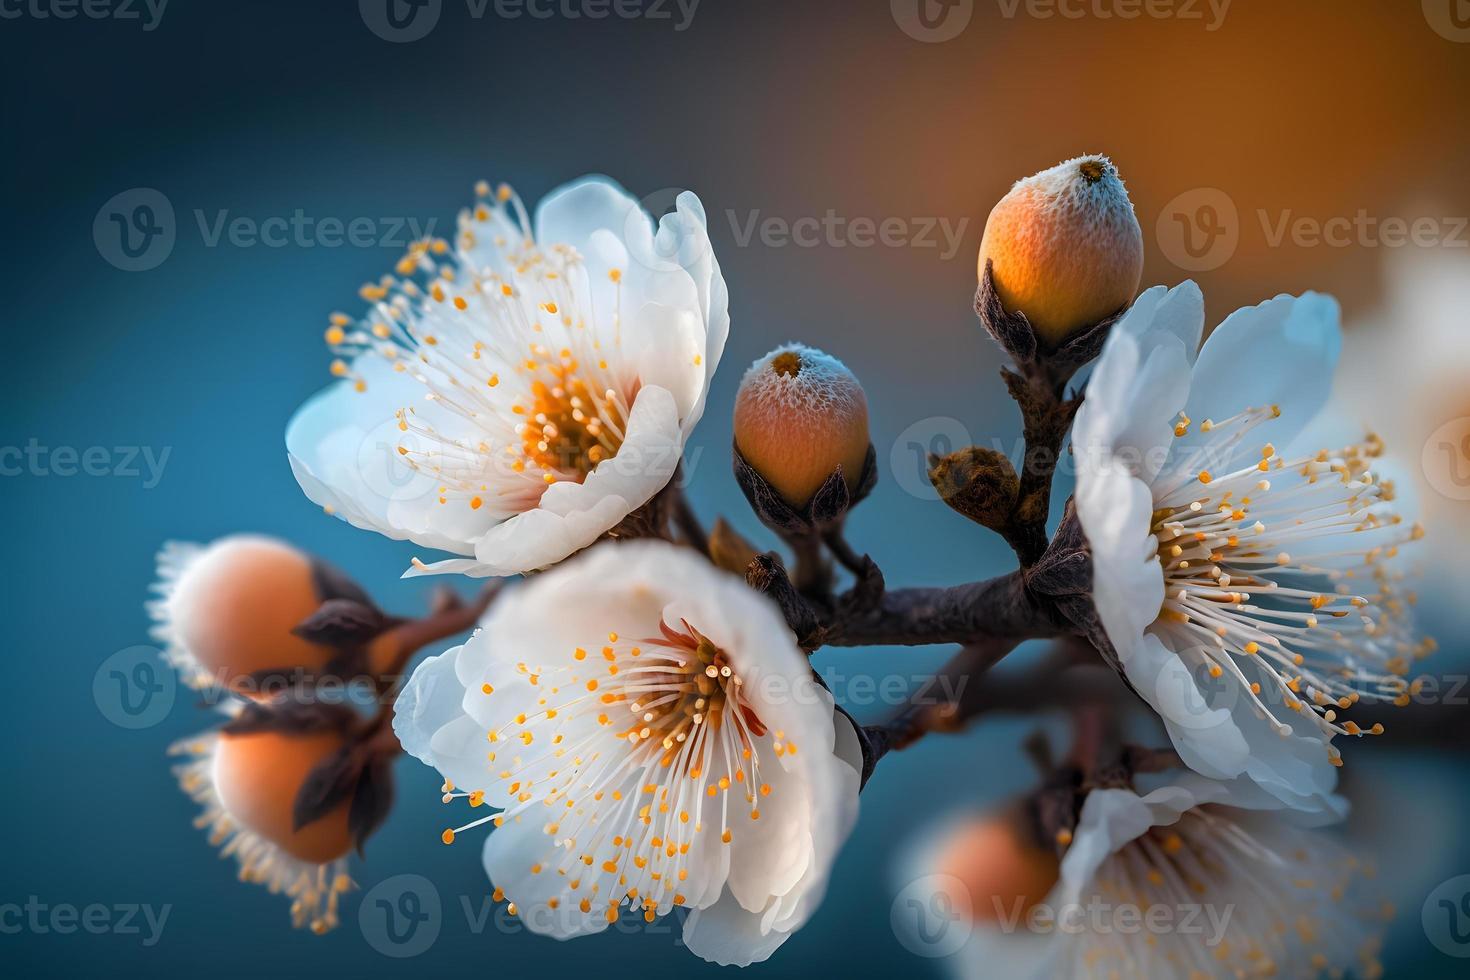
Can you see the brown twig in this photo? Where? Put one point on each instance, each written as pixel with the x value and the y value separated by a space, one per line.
pixel 1001 608
pixel 1037 384
pixel 843 552
pixel 451 615
pixel 1064 677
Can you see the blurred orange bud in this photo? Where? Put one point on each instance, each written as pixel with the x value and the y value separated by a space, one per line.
pixel 229 609
pixel 257 777
pixel 1000 863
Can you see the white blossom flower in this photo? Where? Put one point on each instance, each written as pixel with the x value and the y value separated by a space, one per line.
pixel 1242 581
pixel 652 737
pixel 1196 878
pixel 514 396
pixel 246 785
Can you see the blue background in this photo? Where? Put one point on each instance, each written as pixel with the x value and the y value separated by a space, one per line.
pixel 267 107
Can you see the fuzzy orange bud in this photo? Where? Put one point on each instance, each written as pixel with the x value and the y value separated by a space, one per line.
pixel 799 415
pixel 234 605
pixel 1000 864
pixel 257 777
pixel 1066 247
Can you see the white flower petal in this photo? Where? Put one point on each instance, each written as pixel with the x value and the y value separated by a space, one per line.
pixel 342 446
pixel 586 719
pixel 728 935
pixel 1283 352
pixel 1141 383
pixel 431 699
pixel 514 398
pixel 572 516
pixel 1194 843
pixel 1116 512
pixel 1224 578
pixel 573 214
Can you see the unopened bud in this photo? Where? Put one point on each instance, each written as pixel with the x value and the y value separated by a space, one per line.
pixel 1001 864
pixel 1066 247
pixel 229 610
pixel 799 415
pixel 257 777
pixel 979 483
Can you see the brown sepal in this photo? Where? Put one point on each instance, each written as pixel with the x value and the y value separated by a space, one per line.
pixel 827 508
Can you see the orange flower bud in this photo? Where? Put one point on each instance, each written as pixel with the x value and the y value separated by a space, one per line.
pixel 1000 864
pixel 257 777
pixel 1066 247
pixel 229 610
pixel 799 415
pixel 246 784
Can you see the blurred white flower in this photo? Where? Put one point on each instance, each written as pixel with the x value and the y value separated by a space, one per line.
pixel 653 738
pixel 1241 580
pixel 1420 339
pixel 514 396
pixel 1197 878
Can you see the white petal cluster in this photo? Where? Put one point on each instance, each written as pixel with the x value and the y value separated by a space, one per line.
pixel 1244 581
pixel 650 738
pixel 1194 878
pixel 514 395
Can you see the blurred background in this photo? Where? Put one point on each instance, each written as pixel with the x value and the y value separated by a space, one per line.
pixel 1269 146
